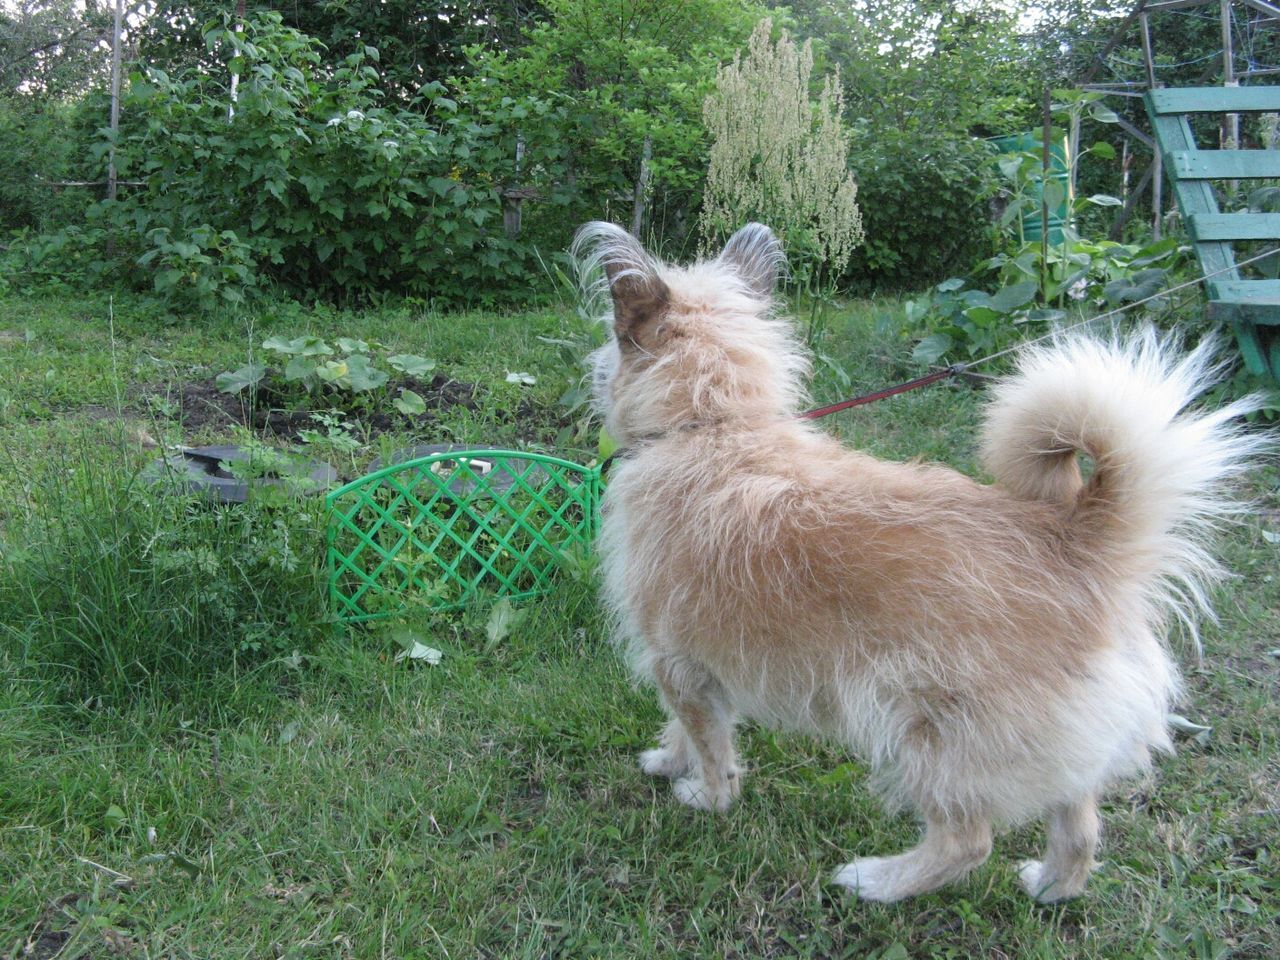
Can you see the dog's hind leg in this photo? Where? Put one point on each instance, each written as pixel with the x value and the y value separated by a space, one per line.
pixel 948 851
pixel 697 745
pixel 1068 860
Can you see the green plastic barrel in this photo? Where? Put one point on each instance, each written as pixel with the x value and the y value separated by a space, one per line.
pixel 1059 215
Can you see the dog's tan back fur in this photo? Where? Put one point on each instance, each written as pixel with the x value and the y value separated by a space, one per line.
pixel 993 651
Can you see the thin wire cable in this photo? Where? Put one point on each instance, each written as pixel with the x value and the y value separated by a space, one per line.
pixel 1166 66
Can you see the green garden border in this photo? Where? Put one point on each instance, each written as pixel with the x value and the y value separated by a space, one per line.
pixel 414 534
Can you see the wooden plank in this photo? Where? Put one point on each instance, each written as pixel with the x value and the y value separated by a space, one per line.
pixel 1172 100
pixel 1233 226
pixel 1223 164
pixel 1257 295
pixel 1193 196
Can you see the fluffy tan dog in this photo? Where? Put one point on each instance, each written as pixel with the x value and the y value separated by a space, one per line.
pixel 994 652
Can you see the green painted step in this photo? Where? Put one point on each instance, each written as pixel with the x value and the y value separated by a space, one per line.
pixel 1251 307
pixel 1213 100
pixel 1233 226
pixel 1223 164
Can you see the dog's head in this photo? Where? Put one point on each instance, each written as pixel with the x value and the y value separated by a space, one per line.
pixel 690 345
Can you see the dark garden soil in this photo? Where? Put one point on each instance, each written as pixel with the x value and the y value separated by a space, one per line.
pixel 204 410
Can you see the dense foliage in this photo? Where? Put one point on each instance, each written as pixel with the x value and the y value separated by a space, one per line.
pixel 446 150
pixel 313 181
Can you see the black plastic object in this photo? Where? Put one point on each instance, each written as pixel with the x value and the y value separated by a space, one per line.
pixel 532 473
pixel 203 470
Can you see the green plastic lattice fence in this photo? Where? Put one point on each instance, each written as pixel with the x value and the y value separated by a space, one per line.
pixel 438 530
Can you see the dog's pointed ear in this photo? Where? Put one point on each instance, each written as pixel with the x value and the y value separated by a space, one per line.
pixel 640 297
pixel 756 256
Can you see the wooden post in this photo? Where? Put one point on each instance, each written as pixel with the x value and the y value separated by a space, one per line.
pixel 1157 164
pixel 115 99
pixel 513 200
pixel 642 188
pixel 1231 121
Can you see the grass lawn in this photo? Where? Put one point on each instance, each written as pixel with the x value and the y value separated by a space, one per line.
pixel 193 764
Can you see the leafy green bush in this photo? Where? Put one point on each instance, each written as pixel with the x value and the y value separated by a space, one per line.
pixel 42 147
pixel 309 181
pixel 966 318
pixel 1032 283
pixel 924 208
pixel 70 256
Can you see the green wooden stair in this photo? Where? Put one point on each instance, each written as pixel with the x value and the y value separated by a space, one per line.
pixel 1252 307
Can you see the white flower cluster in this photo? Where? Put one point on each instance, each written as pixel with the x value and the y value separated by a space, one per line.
pixel 355 116
pixel 776 156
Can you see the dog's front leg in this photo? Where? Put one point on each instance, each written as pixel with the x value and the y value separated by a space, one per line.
pixel 697 745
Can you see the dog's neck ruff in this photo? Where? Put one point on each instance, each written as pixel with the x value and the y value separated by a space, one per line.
pixel 649 439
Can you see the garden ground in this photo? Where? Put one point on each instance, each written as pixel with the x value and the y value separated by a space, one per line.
pixel 193 764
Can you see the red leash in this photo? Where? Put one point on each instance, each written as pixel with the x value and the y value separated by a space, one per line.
pixel 951 371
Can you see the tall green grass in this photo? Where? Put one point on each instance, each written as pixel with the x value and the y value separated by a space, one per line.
pixel 113 586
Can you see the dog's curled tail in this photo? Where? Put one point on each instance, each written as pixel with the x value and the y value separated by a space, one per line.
pixel 1161 473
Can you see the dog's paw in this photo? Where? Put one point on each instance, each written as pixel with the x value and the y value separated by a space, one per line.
pixel 695 792
pixel 1040 884
pixel 665 762
pixel 871 878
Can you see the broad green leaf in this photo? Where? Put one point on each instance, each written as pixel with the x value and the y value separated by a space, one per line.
pixel 1054 194
pixel 1010 165
pixel 947 286
pixel 931 348
pixel 1104 150
pixel 351 345
pixel 332 371
pixel 1010 214
pixel 247 376
pixel 298 346
pixel 364 376
pixel 503 621
pixel 983 316
pixel 409 403
pixel 606 446
pixel 1044 316
pixel 313 347
pixel 412 364
pixel 114 817
pixel 1010 298
pixel 1104 200
pixel 299 368
pixel 1102 114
